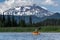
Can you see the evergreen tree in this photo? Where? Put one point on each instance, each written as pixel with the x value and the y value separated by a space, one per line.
pixel 22 23
pixel 13 22
pixel 30 20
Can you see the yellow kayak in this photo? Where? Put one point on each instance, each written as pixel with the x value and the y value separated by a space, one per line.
pixel 35 33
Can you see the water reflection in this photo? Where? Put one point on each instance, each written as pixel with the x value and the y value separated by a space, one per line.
pixel 29 36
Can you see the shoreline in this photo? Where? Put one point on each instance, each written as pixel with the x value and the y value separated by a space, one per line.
pixel 31 32
pixel 28 29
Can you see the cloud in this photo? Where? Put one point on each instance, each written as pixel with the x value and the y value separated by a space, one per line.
pixel 12 3
pixel 49 2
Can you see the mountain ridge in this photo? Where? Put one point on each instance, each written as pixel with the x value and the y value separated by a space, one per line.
pixel 28 10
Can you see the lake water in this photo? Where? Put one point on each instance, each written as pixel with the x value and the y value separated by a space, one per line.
pixel 29 36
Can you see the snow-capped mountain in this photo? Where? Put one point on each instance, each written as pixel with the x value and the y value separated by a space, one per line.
pixel 28 10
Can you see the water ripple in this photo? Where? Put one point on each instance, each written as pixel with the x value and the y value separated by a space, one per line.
pixel 29 36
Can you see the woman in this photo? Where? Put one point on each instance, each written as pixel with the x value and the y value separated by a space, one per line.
pixel 36 32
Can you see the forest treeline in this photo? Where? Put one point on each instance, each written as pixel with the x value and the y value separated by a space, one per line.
pixel 49 22
pixel 11 22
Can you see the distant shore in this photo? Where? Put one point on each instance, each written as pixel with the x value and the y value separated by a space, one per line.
pixel 29 29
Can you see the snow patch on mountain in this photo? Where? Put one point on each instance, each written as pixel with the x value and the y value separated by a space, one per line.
pixel 28 10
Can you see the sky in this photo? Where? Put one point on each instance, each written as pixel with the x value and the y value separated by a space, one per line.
pixel 51 5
